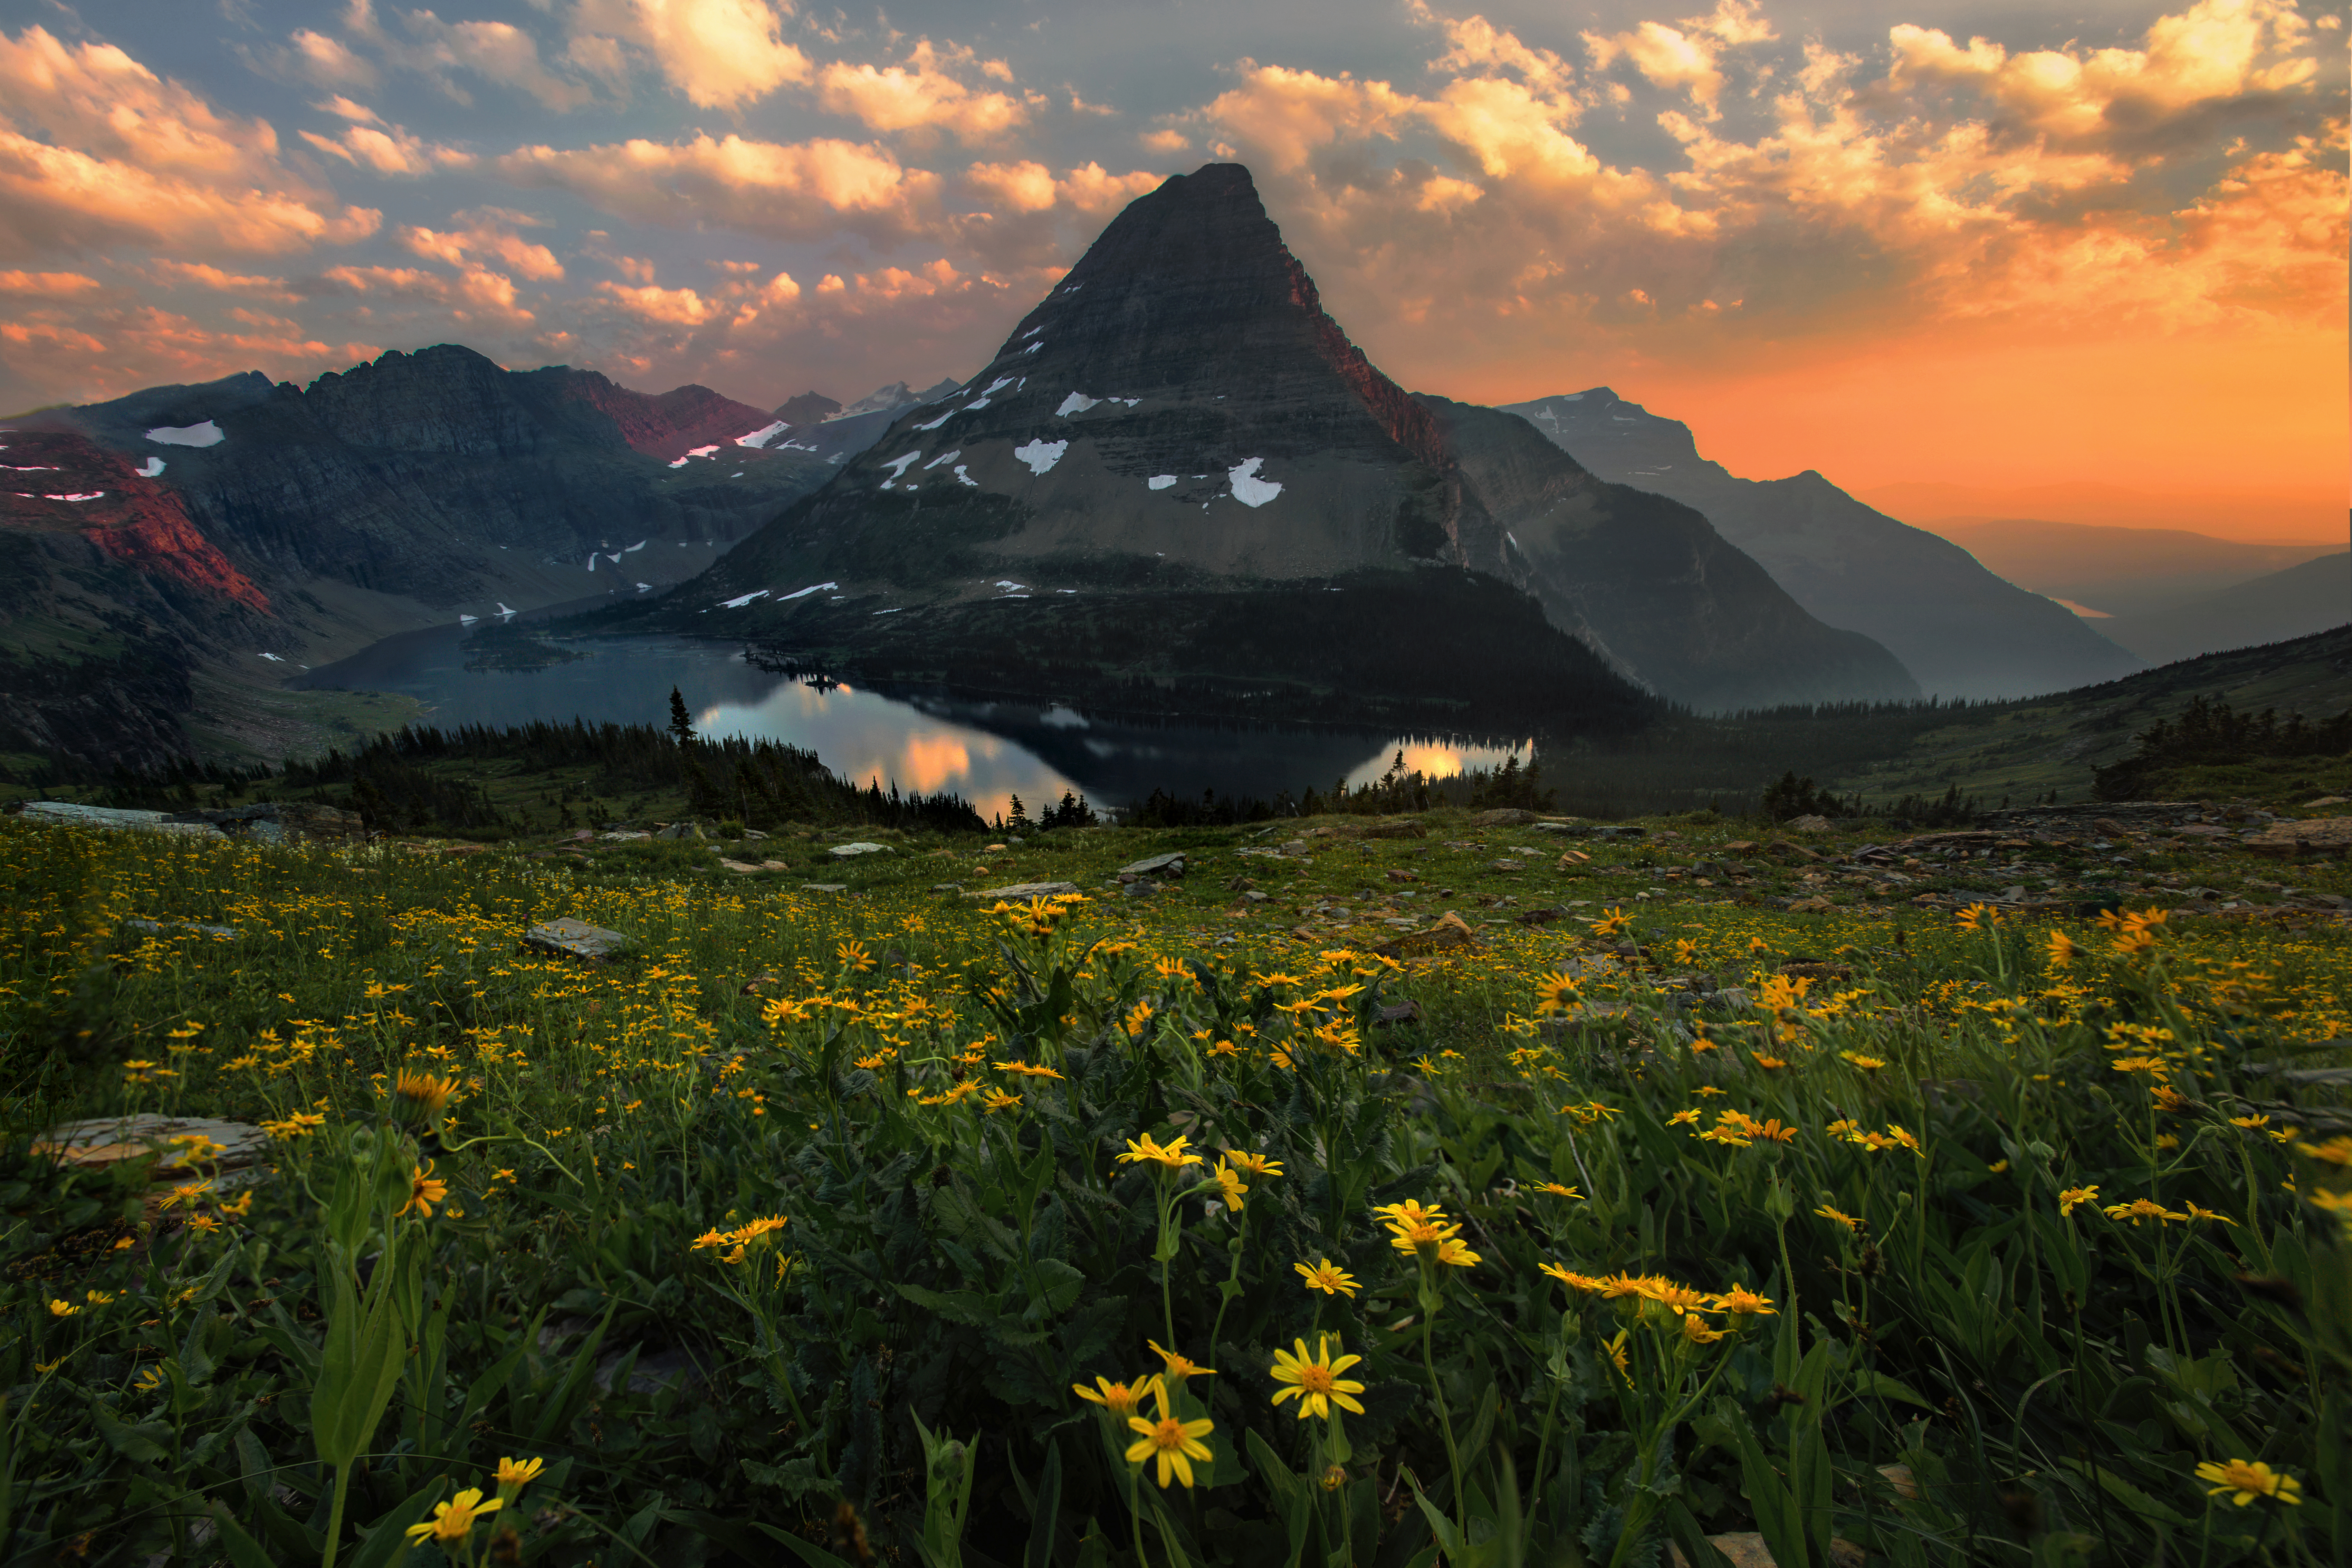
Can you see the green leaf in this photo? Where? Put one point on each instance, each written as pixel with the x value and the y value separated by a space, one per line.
pixel 1879 1386
pixel 244 1551
pixel 148 1443
pixel 387 1536
pixel 813 1555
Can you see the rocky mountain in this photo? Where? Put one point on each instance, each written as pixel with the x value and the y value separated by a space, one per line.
pixel 1960 629
pixel 1178 473
pixel 281 523
pixel 2313 596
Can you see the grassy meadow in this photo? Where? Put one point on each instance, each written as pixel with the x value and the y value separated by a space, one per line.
pixel 1274 1218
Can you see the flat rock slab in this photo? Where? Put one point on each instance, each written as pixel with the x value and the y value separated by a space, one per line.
pixel 846 850
pixel 577 938
pixel 824 886
pixel 111 1139
pixel 1028 890
pixel 1173 864
pixel 68 812
pixel 160 928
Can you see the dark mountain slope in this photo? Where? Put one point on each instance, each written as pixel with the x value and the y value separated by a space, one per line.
pixel 1179 414
pixel 1961 630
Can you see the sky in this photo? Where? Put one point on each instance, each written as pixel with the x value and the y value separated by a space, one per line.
pixel 1984 244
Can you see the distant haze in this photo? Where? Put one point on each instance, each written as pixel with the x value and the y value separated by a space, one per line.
pixel 2249 517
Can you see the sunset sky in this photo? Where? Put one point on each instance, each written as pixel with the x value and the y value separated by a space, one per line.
pixel 1982 242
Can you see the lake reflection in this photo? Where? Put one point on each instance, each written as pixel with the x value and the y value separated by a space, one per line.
pixel 985 751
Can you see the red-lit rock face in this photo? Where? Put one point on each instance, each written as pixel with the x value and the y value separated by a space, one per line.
pixel 138 522
pixel 667 425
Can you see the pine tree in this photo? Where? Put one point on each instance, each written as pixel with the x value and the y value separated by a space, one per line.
pixel 1019 816
pixel 681 726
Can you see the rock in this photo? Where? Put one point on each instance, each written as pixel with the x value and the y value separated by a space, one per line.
pixel 2321 801
pixel 1397 874
pixel 775 865
pixel 1296 848
pixel 109 1139
pixel 1542 914
pixel 2327 836
pixel 1139 887
pixel 1816 905
pixel 1028 890
pixel 577 938
pixel 1251 894
pixel 753 832
pixel 1503 817
pixel 846 850
pixel 1808 825
pixel 681 830
pixel 738 865
pixel 622 834
pixel 68 813
pixel 824 886
pixel 1508 866
pixel 226 933
pixel 947 887
pixel 1405 1012
pixel 1171 865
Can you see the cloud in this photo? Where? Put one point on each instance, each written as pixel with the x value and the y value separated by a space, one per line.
pixel 677 307
pixel 475 294
pixel 721 54
pixel 920 95
pixel 1031 187
pixel 208 276
pixel 486 235
pixel 391 151
pixel 314 57
pixel 48 284
pixel 1941 185
pixel 495 51
pixel 96 149
pixel 803 190
pixel 1686 57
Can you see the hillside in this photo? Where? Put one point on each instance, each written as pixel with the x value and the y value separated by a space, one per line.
pixel 2309 597
pixel 2117 571
pixel 2024 750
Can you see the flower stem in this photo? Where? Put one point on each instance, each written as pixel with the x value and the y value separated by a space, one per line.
pixel 1444 1420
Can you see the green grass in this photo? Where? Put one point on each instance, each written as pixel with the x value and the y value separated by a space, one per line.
pixel 961 1242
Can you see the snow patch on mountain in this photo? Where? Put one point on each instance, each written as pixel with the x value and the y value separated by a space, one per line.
pixel 204 435
pixel 1160 481
pixel 1248 489
pixel 1077 403
pixel 1040 455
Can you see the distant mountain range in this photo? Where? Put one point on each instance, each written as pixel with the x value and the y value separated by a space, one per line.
pixel 1958 628
pixel 2117 571
pixel 1177 474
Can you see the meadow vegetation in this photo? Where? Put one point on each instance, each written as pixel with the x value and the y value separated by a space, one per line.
pixel 1619 1212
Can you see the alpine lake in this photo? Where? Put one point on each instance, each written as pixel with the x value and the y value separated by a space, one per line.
pixel 986 752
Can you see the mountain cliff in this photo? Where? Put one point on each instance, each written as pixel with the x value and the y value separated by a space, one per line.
pixel 1957 627
pixel 1178 431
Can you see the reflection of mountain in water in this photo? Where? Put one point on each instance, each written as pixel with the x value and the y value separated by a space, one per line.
pixel 1117 761
pixel 986 752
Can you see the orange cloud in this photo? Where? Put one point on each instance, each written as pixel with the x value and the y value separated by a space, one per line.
pixel 48 284
pixel 790 190
pixel 674 307
pixel 921 94
pixel 721 54
pixel 97 150
pixel 388 151
pixel 1031 187
pixel 484 239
